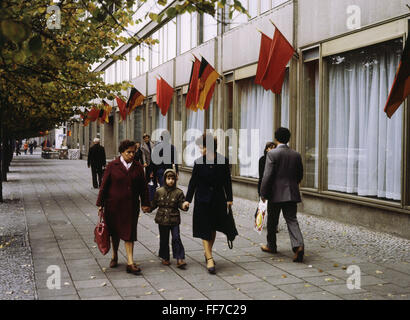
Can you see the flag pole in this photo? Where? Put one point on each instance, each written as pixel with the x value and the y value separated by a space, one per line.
pixel 295 53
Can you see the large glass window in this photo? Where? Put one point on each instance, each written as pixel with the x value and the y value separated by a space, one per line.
pixel 121 131
pixel 155 51
pixel 210 27
pixel 138 124
pixel 195 120
pixel 276 3
pixel 239 18
pixel 265 5
pixel 284 102
pixel 364 147
pixel 172 39
pixel 310 121
pixel 256 122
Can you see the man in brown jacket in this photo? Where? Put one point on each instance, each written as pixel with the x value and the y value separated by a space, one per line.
pixel 169 199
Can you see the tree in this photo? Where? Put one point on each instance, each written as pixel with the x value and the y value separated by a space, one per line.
pixel 47 52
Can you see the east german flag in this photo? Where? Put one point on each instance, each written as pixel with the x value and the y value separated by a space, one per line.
pixel 192 95
pixel 122 106
pixel 136 98
pixel 207 80
pixel 105 112
pixel 401 85
pixel 164 95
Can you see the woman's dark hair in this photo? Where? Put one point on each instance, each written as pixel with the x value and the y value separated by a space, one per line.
pixel 146 135
pixel 282 135
pixel 124 145
pixel 269 145
pixel 207 139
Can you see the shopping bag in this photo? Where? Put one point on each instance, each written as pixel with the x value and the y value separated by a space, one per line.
pixel 101 234
pixel 261 216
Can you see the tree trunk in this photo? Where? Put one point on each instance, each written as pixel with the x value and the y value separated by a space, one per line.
pixel 4 156
pixel 1 162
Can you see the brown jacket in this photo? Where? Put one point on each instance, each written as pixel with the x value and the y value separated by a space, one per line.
pixel 169 201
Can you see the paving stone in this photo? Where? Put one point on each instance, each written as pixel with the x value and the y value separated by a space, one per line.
pixel 256 286
pixel 96 292
pixel 325 280
pixel 226 295
pixel 95 283
pixel 321 295
pixel 184 294
pixel 270 295
pixel 284 278
pixel 212 285
pixel 125 283
pixel 342 289
pixel 240 278
pixel 47 293
pixel 298 288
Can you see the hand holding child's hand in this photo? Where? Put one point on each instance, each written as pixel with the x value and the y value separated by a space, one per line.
pixel 185 205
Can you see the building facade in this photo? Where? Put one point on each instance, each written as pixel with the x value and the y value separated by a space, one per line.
pixel 356 160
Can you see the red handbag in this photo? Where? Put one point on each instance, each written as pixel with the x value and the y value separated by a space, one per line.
pixel 101 235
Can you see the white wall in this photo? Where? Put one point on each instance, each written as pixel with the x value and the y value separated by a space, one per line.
pixel 322 19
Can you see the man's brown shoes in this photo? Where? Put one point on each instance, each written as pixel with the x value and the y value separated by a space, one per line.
pixel 265 248
pixel 298 257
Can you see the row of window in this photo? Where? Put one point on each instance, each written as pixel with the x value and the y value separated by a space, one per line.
pixel 193 29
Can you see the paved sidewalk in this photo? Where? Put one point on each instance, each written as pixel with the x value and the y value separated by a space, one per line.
pixel 59 204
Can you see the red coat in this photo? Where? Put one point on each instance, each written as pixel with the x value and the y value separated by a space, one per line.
pixel 120 195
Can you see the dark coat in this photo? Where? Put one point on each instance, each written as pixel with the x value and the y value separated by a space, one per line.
pixel 169 200
pixel 120 195
pixel 212 186
pixel 262 162
pixel 96 157
pixel 283 173
pixel 138 156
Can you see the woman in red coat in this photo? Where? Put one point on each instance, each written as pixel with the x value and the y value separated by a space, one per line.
pixel 122 187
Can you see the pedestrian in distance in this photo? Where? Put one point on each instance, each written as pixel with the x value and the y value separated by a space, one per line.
pixel 163 157
pixel 25 147
pixel 146 149
pixel 262 161
pixel 18 147
pixel 122 191
pixel 96 160
pixel 138 153
pixel 280 185
pixel 169 199
pixel 211 183
pixel 31 147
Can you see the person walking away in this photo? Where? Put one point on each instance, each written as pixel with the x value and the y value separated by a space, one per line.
pixel 169 199
pixel 30 147
pixel 280 185
pixel 163 157
pixel 262 161
pixel 212 185
pixel 138 153
pixel 18 146
pixel 122 191
pixel 146 148
pixel 25 147
pixel 97 161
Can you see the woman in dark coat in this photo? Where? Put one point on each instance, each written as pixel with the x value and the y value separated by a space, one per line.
pixel 211 183
pixel 262 161
pixel 122 188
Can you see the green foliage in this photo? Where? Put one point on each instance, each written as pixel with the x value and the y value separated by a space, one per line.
pixel 46 73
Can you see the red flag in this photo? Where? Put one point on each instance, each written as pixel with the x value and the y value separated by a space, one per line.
pixel 164 95
pixel 122 106
pixel 263 57
pixel 192 95
pixel 280 53
pixel 401 85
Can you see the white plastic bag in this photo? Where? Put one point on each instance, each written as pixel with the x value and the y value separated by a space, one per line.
pixel 261 216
